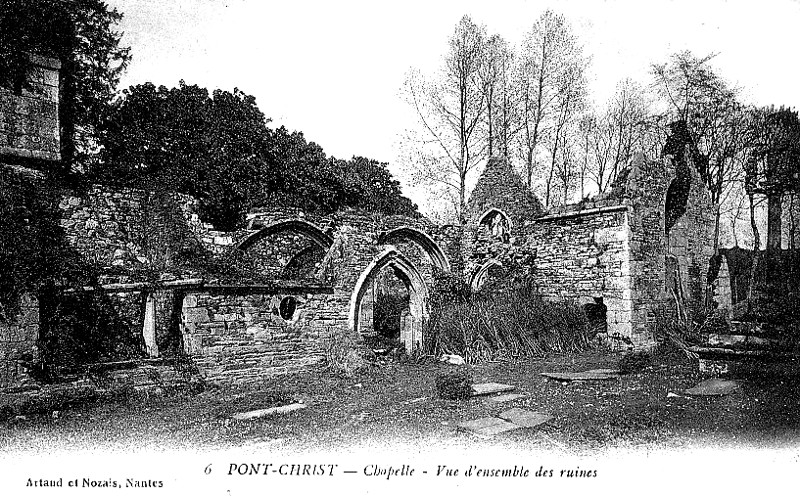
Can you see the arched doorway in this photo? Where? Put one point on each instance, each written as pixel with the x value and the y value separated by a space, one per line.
pixel 390 262
pixel 428 245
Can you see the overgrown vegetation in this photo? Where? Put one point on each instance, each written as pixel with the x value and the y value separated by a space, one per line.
pixel 33 251
pixel 507 321
pixel 217 147
pixel 454 383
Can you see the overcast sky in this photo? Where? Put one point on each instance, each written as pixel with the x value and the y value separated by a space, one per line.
pixel 334 69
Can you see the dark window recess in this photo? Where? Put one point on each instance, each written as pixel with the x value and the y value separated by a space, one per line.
pixel 287 307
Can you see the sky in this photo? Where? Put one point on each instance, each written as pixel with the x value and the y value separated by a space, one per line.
pixel 335 69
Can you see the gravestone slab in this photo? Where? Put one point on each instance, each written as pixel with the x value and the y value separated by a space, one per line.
pixel 485 388
pixel 713 387
pixel 487 426
pixel 525 418
pixel 503 398
pixel 269 411
pixel 589 375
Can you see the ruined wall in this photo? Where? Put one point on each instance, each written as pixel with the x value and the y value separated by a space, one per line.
pixel 243 335
pixel 112 225
pixel 499 186
pixel 583 255
pixel 18 343
pixel 29 126
pixel 690 246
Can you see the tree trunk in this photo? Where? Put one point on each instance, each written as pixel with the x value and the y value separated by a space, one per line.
pixel 756 248
pixel 774 213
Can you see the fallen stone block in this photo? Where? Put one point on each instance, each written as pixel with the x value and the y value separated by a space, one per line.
pixel 487 426
pixel 713 387
pixel 269 411
pixel 504 398
pixel 525 418
pixel 486 388
pixel 589 375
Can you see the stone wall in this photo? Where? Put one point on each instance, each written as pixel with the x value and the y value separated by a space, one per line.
pixel 29 127
pixel 18 343
pixel 113 226
pixel 584 255
pixel 240 335
pixel 499 186
pixel 690 246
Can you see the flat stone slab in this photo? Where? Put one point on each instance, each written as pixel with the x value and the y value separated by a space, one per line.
pixel 491 388
pixel 713 387
pixel 269 411
pixel 525 418
pixel 503 398
pixel 488 426
pixel 589 375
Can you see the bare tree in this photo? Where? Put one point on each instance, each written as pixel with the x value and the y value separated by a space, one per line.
pixel 450 111
pixel 569 100
pixel 500 119
pixel 548 52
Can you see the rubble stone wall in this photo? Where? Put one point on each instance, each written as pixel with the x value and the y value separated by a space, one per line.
pixel 240 336
pixel 29 125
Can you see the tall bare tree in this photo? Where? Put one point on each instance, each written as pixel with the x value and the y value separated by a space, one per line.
pixel 549 52
pixel 450 110
pixel 500 119
pixel 569 100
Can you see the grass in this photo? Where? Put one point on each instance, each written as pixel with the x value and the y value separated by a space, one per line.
pixel 398 403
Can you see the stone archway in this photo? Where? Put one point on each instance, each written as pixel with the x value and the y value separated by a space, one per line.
pixel 295 226
pixel 405 270
pixel 288 249
pixel 481 275
pixel 497 223
pixel 428 245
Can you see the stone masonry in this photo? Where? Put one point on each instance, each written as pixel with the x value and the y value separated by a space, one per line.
pixel 612 249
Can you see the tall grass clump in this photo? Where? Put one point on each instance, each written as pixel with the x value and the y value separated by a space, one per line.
pixel 502 322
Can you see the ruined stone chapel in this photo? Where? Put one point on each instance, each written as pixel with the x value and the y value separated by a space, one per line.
pixel 625 252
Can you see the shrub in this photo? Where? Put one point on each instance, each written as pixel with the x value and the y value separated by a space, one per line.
pixel 344 356
pixel 508 323
pixel 454 383
pixel 635 361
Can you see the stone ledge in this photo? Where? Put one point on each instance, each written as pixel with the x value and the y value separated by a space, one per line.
pixel 582 213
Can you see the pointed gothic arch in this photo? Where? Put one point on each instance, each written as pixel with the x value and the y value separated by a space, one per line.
pixel 479 278
pixel 428 245
pixel 407 272
pixel 294 226
pixel 487 216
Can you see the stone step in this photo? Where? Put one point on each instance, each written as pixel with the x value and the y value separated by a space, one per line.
pixel 747 341
pixel 722 353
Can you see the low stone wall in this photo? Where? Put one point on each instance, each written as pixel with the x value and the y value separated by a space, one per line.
pixel 241 336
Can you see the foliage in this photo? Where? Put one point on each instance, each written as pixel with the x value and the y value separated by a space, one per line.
pixel 508 322
pixel 454 383
pixel 217 148
pixel 633 362
pixel 773 162
pixel 346 357
pixel 79 33
pixel 81 328
pixel 208 146
pixel 33 251
pixel 450 111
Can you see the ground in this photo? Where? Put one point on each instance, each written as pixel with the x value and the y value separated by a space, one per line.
pixel 397 403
